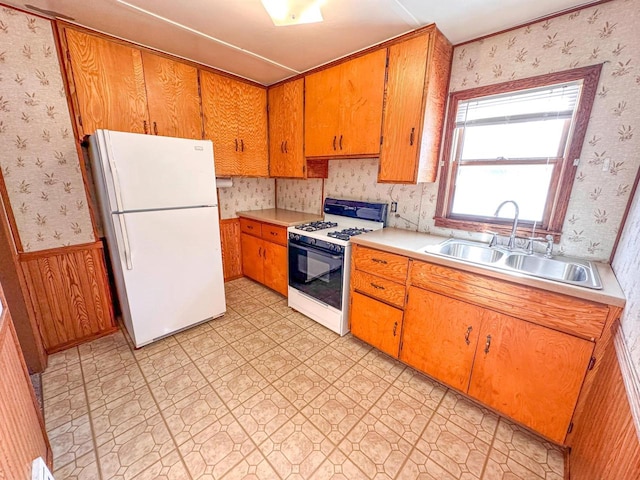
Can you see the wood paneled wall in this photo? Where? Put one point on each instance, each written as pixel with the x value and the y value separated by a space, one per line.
pixel 70 294
pixel 605 444
pixel 231 248
pixel 22 433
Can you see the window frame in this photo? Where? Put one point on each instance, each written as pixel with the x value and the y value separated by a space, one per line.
pixel 564 171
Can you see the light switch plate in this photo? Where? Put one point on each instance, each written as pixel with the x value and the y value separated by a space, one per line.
pixel 40 471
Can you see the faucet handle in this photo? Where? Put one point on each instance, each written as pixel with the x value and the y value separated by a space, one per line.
pixel 494 238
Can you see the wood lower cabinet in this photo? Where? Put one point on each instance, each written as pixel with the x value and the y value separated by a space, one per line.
pixel 343 108
pixel 440 336
pixel 376 323
pixel 264 254
pixel 235 119
pixel 415 99
pixel 531 373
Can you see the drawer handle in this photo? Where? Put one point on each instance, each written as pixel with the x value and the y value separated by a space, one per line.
pixel 466 335
pixel 275 234
pixel 377 260
pixel 250 227
pixel 395 326
pixel 376 286
pixel 487 345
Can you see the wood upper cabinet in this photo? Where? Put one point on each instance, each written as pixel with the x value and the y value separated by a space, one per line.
pixel 173 97
pixel 122 88
pixel 531 373
pixel 109 84
pixel 343 108
pixel 416 94
pixel 376 323
pixel 440 336
pixel 286 130
pixel 235 119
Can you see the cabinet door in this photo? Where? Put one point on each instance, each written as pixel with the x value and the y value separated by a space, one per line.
pixel 404 106
pixel 361 99
pixel 376 323
pixel 219 107
pixel 276 267
pixel 321 112
pixel 252 262
pixel 286 130
pixel 251 103
pixel 440 336
pixel 109 84
pixel 531 373
pixel 172 94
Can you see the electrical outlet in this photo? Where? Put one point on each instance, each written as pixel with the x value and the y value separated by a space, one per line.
pixel 394 207
pixel 40 471
pixel 606 163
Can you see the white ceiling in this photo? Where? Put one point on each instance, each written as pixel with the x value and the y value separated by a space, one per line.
pixel 238 36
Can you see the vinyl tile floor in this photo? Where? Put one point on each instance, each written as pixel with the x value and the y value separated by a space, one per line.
pixel 266 393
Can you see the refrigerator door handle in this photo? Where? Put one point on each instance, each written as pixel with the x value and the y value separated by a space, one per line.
pixel 125 242
pixel 116 184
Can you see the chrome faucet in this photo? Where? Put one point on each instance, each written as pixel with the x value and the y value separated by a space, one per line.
pixel 512 238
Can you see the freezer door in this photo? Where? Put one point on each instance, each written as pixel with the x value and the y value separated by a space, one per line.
pixel 149 172
pixel 168 268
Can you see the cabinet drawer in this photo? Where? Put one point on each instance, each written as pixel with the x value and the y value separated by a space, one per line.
pixel 252 227
pixel 380 288
pixel 274 233
pixel 561 312
pixel 376 323
pixel 383 264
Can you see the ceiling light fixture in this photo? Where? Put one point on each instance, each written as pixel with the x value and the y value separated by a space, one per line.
pixel 293 12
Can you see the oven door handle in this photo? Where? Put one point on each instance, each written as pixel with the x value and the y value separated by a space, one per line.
pixel 317 250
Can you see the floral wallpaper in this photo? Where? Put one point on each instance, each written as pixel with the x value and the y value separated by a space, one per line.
pixel 39 161
pixel 607 33
pixel 246 194
pixel 626 265
pixel 300 195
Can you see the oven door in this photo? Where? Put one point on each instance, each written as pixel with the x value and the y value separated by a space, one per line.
pixel 317 273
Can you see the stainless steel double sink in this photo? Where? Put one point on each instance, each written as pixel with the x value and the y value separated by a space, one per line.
pixel 560 269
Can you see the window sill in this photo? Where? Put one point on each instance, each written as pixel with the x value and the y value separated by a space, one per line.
pixel 504 229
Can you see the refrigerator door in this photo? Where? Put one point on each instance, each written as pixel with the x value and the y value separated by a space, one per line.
pixel 168 269
pixel 149 172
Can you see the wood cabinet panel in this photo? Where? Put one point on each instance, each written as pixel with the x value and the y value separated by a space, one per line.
pixel 220 120
pixel 252 227
pixel 321 117
pixel 173 97
pixel 531 373
pixel 569 314
pixel 252 130
pixel 403 114
pixel 109 83
pixel 376 323
pixel 252 261
pixel 383 264
pixel 70 295
pixel 274 233
pixel 231 248
pixel 276 267
pixel 22 430
pixel 361 99
pixel 378 287
pixel 286 130
pixel 440 336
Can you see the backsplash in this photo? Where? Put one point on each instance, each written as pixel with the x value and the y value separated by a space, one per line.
pixel 246 194
pixel 606 33
pixel 39 162
pixel 301 196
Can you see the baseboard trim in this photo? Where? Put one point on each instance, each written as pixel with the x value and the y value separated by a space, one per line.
pixel 630 376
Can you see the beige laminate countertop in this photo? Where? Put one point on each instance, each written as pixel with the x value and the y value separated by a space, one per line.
pixel 411 244
pixel 280 216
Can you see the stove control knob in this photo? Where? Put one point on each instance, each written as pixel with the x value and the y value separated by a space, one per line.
pixel 312 241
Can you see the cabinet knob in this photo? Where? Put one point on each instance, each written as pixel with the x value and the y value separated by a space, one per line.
pixel 487 344
pixel 412 137
pixel 466 335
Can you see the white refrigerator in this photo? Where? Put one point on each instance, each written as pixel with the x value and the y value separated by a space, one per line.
pixel 158 203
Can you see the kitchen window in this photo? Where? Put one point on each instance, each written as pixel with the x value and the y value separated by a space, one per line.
pixel 514 141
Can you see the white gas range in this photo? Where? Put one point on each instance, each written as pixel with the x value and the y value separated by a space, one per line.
pixel 320 258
